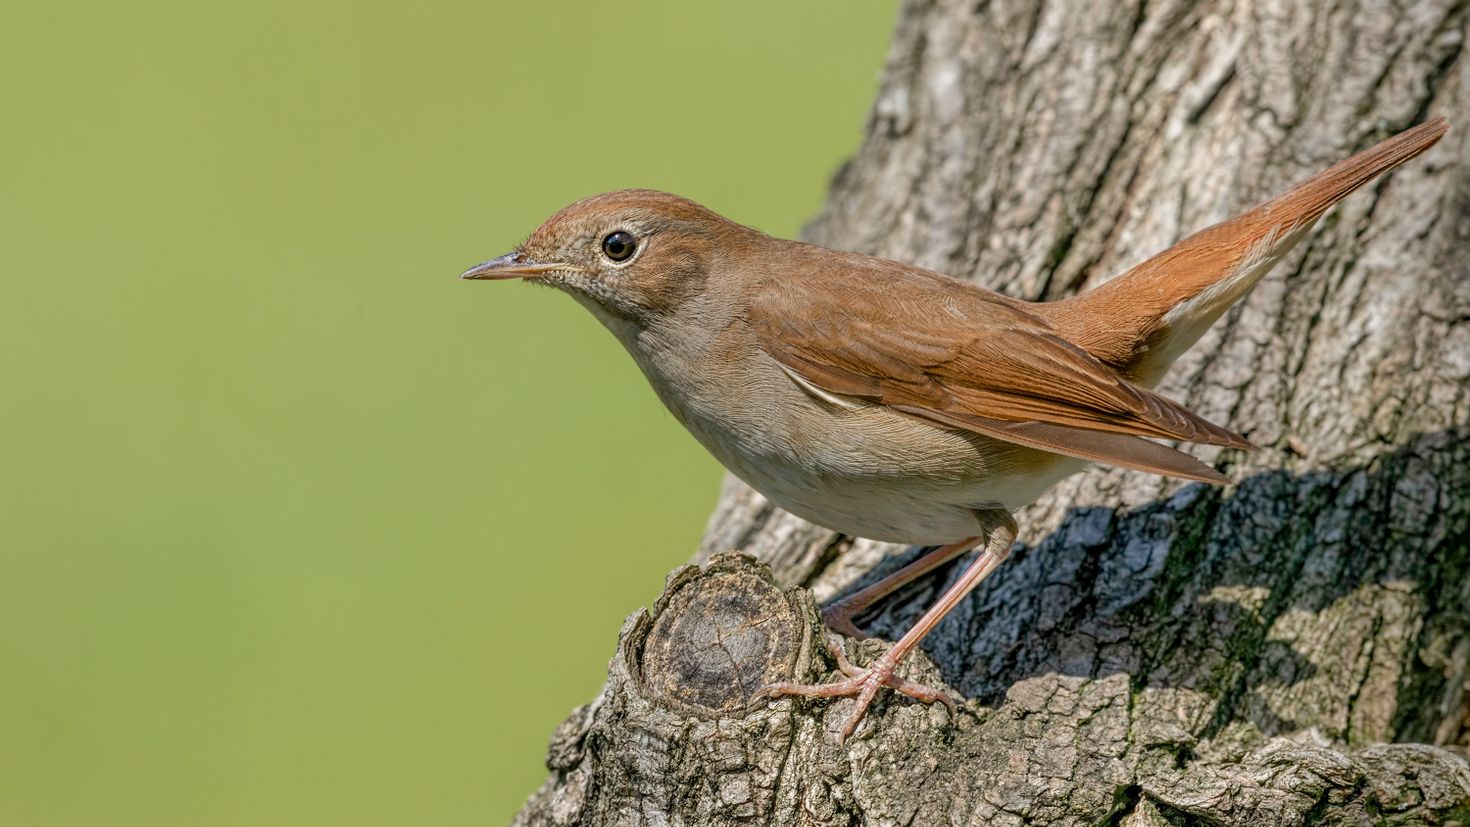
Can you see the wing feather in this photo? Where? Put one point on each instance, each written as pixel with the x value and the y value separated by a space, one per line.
pixel 1096 446
pixel 970 359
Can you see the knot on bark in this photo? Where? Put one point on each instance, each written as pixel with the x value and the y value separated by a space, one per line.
pixel 719 634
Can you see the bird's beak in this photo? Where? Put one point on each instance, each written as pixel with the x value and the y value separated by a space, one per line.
pixel 510 266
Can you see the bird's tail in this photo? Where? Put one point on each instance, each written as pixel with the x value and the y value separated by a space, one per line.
pixel 1143 319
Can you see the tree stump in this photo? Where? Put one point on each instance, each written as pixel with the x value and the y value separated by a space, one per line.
pixel 1294 649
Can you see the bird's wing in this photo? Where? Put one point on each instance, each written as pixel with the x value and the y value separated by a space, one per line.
pixel 965 358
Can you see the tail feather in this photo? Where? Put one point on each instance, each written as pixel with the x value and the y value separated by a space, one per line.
pixel 1142 320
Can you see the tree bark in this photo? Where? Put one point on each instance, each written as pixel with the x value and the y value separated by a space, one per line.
pixel 1293 649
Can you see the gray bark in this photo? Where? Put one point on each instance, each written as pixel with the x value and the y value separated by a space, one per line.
pixel 1294 649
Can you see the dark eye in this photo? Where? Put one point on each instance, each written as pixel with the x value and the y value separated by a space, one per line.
pixel 619 246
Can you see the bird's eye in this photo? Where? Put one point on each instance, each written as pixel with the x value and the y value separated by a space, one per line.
pixel 619 246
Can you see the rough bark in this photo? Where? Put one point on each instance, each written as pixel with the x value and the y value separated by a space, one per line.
pixel 1294 649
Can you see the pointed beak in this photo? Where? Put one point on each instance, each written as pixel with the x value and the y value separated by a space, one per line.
pixel 509 266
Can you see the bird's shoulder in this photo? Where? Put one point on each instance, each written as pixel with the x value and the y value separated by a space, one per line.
pixel 831 295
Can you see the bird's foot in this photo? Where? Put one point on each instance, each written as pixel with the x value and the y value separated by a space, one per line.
pixel 862 684
pixel 839 618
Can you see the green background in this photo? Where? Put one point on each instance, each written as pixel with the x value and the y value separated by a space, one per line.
pixel 297 528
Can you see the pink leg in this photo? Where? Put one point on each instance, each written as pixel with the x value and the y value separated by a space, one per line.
pixel 865 683
pixel 839 615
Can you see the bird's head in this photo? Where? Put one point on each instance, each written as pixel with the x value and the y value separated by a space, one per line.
pixel 631 256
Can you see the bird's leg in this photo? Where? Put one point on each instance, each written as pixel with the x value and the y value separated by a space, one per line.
pixel 839 614
pixel 865 683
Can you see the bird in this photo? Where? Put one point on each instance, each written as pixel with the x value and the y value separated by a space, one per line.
pixel 882 400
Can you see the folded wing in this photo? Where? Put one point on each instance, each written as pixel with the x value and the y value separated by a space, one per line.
pixel 965 358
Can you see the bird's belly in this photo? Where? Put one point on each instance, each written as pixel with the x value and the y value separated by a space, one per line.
pixel 870 472
pixel 894 515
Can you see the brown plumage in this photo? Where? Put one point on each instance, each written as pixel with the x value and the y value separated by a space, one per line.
pixel 886 401
pixel 974 360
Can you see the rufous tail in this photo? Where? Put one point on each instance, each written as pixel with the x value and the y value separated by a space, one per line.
pixel 1142 320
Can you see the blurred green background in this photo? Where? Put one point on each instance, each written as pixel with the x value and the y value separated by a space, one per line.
pixel 297 528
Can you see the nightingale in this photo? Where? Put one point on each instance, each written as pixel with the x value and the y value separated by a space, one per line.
pixel 883 400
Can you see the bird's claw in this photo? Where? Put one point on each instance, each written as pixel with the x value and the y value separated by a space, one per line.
pixel 862 684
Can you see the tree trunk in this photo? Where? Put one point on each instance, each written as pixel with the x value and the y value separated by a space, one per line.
pixel 1293 649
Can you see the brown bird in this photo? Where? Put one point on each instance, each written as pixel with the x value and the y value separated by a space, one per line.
pixel 886 401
